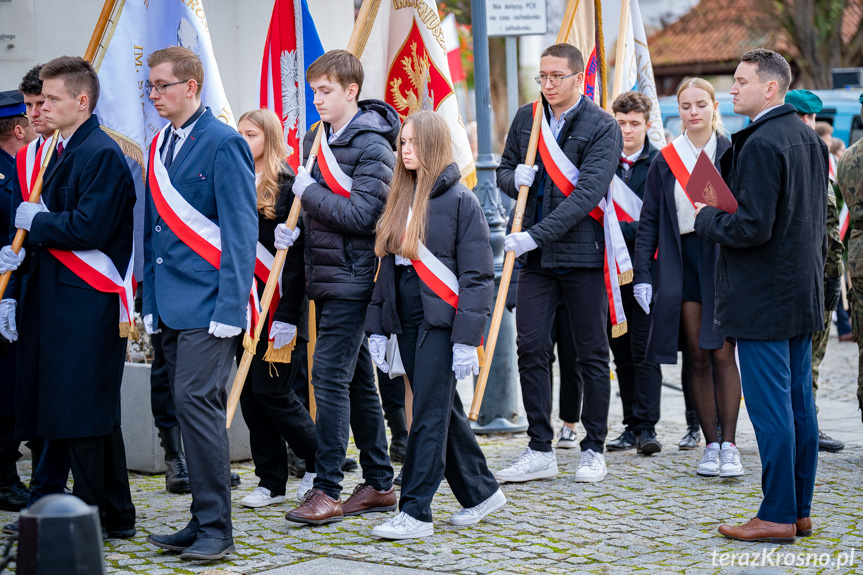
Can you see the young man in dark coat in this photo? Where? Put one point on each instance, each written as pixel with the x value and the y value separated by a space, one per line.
pixel 564 249
pixel 68 390
pixel 769 288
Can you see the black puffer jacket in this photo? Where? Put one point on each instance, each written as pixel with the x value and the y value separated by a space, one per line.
pixel 340 231
pixel 457 234
pixel 591 139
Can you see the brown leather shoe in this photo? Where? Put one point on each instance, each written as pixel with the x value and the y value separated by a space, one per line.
pixel 366 499
pixel 804 526
pixel 317 508
pixel 758 530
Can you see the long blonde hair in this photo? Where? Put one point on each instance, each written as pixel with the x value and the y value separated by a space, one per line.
pixel 273 160
pixel 702 84
pixel 412 188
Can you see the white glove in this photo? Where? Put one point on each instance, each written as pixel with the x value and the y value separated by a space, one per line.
pixel 519 243
pixel 302 181
pixel 8 328
pixel 464 360
pixel 378 351
pixel 222 330
pixel 285 237
pixel 25 214
pixel 9 260
pixel 283 334
pixel 643 294
pixel 148 325
pixel 524 175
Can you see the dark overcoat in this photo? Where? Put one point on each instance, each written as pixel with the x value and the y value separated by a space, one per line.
pixel 70 353
pixel 659 234
pixel 7 350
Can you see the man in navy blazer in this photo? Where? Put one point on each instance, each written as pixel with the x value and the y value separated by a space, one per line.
pixel 199 307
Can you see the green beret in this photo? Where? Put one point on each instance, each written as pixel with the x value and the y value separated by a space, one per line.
pixel 804 101
pixel 861 98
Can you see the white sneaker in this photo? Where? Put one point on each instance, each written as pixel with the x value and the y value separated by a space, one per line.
pixel 306 485
pixel 261 497
pixel 592 467
pixel 403 526
pixel 529 465
pixel 731 465
pixel 709 465
pixel 474 515
pixel 567 438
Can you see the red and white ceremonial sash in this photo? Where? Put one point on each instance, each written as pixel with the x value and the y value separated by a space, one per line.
pixel 831 168
pixel 92 266
pixel 617 263
pixel 434 274
pixel 263 266
pixel 337 181
pixel 844 221
pixel 194 229
pixel 681 160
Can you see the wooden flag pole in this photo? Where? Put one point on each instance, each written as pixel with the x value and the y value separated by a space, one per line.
pixel 357 43
pixel 620 52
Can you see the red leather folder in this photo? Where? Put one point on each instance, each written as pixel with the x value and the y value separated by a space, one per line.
pixel 707 186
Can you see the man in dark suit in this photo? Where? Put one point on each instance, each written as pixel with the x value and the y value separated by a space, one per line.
pixel 68 389
pixel 201 227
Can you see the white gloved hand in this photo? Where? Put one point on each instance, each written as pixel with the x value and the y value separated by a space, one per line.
pixel 285 237
pixel 643 294
pixel 519 243
pixel 282 333
pixel 9 260
pixel 378 351
pixel 302 181
pixel 148 325
pixel 524 175
pixel 25 214
pixel 222 330
pixel 8 328
pixel 465 360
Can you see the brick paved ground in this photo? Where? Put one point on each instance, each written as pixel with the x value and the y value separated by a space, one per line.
pixel 650 514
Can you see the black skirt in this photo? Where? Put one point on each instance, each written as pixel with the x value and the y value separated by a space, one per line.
pixel 692 250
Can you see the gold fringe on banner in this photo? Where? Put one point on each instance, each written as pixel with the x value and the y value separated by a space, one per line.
pixel 619 329
pixel 130 331
pixel 469 179
pixel 625 277
pixel 480 353
pixel 281 355
pixel 250 345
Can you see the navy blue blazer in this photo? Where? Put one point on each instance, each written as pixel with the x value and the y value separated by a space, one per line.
pixel 214 171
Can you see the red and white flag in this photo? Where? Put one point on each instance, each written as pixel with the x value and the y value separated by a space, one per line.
pixel 453 48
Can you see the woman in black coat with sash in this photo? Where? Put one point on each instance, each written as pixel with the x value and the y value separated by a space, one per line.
pixel 681 287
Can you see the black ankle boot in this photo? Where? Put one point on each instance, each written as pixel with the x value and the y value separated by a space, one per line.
pixel 693 432
pixel 176 474
pixel 399 428
pixel 14 495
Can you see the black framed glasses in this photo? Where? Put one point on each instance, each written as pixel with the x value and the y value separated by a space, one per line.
pixel 161 88
pixel 555 79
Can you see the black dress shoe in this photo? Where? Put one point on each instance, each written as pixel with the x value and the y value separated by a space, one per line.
pixel 11 528
pixel 827 443
pixel 398 479
pixel 624 441
pixel 350 464
pixel 235 479
pixel 14 495
pixel 119 533
pixel 179 541
pixel 208 549
pixel 647 444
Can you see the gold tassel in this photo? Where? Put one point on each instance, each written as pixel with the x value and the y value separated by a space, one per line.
pixel 130 331
pixel 281 355
pixel 624 278
pixel 619 329
pixel 469 179
pixel 480 352
pixel 250 344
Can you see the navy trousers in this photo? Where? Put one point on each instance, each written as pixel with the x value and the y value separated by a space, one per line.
pixel 777 385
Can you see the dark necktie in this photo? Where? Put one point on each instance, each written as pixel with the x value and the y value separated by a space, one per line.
pixel 59 150
pixel 169 157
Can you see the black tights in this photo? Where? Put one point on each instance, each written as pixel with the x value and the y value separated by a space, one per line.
pixel 714 378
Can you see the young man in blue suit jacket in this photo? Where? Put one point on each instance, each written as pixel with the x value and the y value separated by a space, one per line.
pixel 200 307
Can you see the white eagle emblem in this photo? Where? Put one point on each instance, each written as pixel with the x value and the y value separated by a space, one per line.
pixel 290 90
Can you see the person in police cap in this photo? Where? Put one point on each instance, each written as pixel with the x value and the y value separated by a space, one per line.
pixel 15 133
pixel 807 105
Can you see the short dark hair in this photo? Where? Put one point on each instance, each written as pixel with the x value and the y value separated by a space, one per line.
pixel 632 102
pixel 185 64
pixel 770 65
pixel 9 124
pixel 573 56
pixel 30 83
pixel 77 74
pixel 338 65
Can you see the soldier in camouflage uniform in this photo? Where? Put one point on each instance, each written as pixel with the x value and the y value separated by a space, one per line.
pixel 850 180
pixel 807 105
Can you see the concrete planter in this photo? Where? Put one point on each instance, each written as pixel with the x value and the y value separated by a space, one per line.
pixel 143 450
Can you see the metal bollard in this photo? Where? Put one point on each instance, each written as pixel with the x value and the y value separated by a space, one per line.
pixel 60 534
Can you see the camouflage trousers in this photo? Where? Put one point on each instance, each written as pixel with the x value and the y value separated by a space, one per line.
pixel 819 348
pixel 855 302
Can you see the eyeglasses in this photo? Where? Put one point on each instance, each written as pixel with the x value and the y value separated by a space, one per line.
pixel 161 88
pixel 555 79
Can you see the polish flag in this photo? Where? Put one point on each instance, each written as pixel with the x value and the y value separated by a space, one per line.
pixel 453 49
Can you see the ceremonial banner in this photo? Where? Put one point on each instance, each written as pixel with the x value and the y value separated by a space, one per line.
pixel 136 30
pixel 283 72
pixel 585 33
pixel 406 65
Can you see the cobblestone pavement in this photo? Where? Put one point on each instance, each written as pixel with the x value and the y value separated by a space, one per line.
pixel 650 514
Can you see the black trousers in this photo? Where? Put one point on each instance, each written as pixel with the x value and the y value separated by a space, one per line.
pixel 392 392
pixel 640 382
pixel 274 415
pixel 161 401
pixel 540 292
pixel 198 367
pixel 571 381
pixel 98 465
pixel 441 442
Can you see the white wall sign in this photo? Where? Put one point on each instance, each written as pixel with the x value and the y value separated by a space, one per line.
pixel 516 18
pixel 17 31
